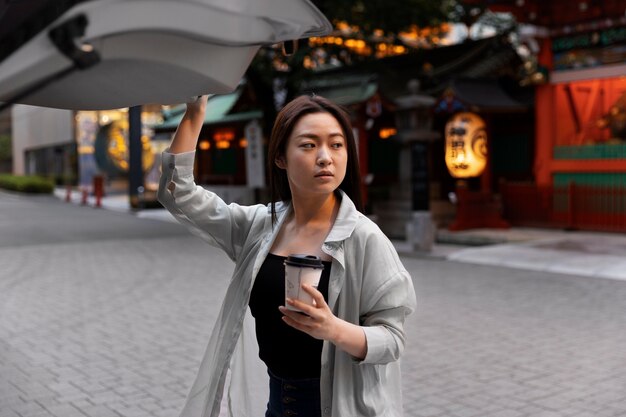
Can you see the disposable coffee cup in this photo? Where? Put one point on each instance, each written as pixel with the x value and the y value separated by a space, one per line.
pixel 301 269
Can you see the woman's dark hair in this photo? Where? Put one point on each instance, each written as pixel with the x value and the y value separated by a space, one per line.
pixel 283 127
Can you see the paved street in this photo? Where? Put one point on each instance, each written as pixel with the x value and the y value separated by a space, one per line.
pixel 104 314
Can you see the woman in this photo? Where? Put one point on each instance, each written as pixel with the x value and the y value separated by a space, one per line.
pixel 339 358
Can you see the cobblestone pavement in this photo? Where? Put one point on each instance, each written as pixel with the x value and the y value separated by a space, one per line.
pixel 103 314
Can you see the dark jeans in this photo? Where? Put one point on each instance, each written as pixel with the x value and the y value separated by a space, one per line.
pixel 293 397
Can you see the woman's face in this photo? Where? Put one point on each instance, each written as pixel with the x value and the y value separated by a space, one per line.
pixel 315 156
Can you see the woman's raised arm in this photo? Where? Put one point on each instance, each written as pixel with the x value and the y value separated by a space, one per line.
pixel 186 136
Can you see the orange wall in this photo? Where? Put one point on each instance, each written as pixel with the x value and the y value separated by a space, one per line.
pixel 567 114
pixel 579 105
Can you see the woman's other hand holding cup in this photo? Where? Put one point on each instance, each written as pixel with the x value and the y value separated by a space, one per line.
pixel 317 321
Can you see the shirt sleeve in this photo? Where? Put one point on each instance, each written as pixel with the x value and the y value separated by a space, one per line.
pixel 203 212
pixel 388 297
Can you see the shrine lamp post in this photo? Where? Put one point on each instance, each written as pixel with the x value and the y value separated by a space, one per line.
pixel 415 135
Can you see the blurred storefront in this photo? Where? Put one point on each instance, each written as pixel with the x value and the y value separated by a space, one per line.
pixel 230 155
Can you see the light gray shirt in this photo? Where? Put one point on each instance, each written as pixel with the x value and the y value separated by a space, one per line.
pixel 368 286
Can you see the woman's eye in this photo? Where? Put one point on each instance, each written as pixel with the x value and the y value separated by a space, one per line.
pixel 337 145
pixel 307 145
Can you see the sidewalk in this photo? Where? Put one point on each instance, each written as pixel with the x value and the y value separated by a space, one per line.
pixel 591 254
pixel 115 202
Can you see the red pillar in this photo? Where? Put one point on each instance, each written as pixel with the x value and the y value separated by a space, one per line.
pixel 544 121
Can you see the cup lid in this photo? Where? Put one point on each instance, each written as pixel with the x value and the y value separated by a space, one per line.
pixel 306 261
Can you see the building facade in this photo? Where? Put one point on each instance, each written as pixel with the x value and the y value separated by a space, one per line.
pixel 580 115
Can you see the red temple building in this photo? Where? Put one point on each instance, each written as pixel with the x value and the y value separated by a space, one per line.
pixel 580 114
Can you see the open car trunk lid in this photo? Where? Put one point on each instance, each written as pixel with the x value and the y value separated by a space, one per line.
pixel 104 54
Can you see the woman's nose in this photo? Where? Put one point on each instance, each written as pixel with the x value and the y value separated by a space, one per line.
pixel 323 156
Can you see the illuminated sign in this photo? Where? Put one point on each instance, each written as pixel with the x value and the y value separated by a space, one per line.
pixel 111 148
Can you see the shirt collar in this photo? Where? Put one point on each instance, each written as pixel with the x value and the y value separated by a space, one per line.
pixel 279 207
pixel 345 222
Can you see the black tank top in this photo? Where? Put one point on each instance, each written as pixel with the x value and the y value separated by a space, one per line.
pixel 287 352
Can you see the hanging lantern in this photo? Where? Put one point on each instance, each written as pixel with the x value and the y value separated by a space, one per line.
pixel 466 145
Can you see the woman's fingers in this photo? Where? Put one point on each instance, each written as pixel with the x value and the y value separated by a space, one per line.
pixel 296 323
pixel 313 292
pixel 197 103
pixel 298 320
pixel 299 316
pixel 316 320
pixel 197 99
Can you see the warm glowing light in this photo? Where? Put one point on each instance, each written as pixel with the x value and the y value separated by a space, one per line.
pixel 222 144
pixel 85 149
pixel 350 37
pixel 426 37
pixel 205 145
pixel 466 145
pixel 223 135
pixel 243 143
pixel 117 145
pixel 343 26
pixel 387 132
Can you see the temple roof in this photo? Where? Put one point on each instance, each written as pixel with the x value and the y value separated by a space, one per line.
pixel 435 69
pixel 481 95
